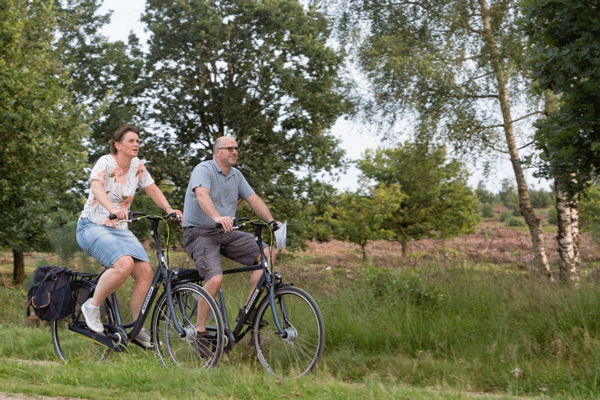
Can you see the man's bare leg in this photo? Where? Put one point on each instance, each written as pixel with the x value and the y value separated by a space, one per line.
pixel 212 287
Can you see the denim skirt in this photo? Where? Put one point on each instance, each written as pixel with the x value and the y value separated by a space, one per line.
pixel 107 244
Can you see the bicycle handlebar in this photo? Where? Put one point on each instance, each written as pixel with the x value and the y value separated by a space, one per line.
pixel 133 216
pixel 243 221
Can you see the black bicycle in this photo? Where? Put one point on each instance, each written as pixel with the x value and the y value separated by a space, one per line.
pixel 173 322
pixel 288 332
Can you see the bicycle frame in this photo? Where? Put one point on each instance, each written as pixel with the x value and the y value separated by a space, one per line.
pixel 287 326
pixel 266 282
pixel 115 339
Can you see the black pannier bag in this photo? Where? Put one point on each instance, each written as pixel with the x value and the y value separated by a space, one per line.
pixel 50 293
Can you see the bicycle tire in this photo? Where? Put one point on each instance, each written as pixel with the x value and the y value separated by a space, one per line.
pixel 70 346
pixel 170 347
pixel 300 352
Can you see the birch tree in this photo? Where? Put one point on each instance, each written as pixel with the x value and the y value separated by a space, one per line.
pixel 457 67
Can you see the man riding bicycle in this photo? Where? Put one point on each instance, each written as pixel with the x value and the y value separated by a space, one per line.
pixel 211 198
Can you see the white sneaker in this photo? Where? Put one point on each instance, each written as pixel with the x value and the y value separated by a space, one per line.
pixel 91 313
pixel 143 338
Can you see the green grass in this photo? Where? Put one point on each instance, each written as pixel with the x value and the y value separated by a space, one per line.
pixel 432 331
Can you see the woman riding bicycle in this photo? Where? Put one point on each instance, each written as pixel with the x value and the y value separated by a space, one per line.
pixel 113 182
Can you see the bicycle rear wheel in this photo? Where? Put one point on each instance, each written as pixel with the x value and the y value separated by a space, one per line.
pixel 300 348
pixel 69 345
pixel 190 350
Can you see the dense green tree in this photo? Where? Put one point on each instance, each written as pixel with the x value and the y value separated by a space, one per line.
pixel 590 210
pixel 457 68
pixel 508 196
pixel 485 196
pixel 259 71
pixel 438 202
pixel 565 37
pixel 541 198
pixel 41 130
pixel 358 218
pixel 106 76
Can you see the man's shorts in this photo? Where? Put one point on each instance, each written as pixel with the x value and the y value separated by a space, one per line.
pixel 206 246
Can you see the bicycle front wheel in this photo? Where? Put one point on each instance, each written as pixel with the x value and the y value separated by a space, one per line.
pixel 300 347
pixel 193 349
pixel 69 345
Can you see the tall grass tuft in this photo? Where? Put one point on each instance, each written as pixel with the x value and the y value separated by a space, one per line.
pixel 473 325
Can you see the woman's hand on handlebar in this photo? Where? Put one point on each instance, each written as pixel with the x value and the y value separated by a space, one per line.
pixel 120 214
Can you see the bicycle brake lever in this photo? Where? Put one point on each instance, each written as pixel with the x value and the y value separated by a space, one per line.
pixel 173 215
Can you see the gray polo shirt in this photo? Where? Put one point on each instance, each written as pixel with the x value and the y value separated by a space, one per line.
pixel 224 190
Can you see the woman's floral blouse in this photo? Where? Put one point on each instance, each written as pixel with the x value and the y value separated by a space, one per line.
pixel 120 186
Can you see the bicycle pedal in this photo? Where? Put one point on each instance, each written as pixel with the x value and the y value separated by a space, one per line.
pixel 143 345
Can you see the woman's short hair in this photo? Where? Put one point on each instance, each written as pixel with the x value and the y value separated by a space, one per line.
pixel 118 136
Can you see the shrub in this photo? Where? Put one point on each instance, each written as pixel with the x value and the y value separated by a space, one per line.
pixel 541 198
pixel 405 288
pixel 487 211
pixel 515 221
pixel 552 216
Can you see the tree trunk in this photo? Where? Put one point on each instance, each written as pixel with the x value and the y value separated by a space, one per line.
pixel 18 268
pixel 532 221
pixel 404 244
pixel 568 236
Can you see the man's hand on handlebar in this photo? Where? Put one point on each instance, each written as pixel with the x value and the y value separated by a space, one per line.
pixel 176 214
pixel 236 223
pixel 225 222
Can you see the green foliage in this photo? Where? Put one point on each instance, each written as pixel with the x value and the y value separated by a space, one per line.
pixel 444 72
pixel 442 75
pixel 358 219
pixel 484 196
pixel 541 198
pixel 41 128
pixel 508 195
pixel 487 211
pixel 107 76
pixel 389 287
pixel 552 216
pixel 62 240
pixel 505 215
pixel 437 202
pixel 565 36
pixel 514 221
pixel 589 210
pixel 260 71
